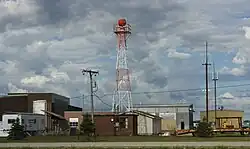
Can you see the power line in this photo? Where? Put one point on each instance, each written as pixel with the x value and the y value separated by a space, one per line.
pixel 170 91
pixel 102 101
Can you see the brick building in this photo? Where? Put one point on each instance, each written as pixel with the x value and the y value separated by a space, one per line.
pixel 105 122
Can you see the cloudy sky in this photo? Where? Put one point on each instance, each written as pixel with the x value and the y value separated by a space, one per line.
pixel 44 44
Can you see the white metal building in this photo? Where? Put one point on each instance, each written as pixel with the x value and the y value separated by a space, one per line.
pixel 148 124
pixel 178 116
pixel 33 123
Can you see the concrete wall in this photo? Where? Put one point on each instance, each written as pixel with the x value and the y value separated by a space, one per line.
pixel 156 126
pixel 172 115
pixel 168 124
pixel 182 117
pixel 145 125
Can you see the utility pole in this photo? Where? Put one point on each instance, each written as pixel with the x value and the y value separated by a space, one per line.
pixel 206 72
pixel 91 73
pixel 82 103
pixel 215 79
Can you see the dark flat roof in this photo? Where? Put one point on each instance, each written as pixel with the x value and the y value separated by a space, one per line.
pixel 16 94
pixel 22 113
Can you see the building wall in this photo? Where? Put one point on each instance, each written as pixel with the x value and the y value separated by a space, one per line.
pixel 145 125
pixel 224 117
pixel 105 123
pixel 168 124
pixel 173 115
pixel 182 117
pixel 221 114
pixel 55 103
pixel 60 104
pixel 15 103
pixel 156 126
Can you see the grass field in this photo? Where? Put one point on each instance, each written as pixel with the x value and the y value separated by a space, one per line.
pixel 127 139
pixel 219 147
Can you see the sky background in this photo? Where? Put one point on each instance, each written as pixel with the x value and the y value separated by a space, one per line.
pixel 44 44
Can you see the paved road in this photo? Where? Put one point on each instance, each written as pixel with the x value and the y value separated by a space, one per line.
pixel 123 144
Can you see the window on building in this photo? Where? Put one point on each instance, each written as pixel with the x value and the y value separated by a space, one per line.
pixel 73 124
pixel 123 122
pixel 11 121
pixel 32 121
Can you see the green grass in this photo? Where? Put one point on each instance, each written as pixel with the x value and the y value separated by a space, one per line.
pixel 219 147
pixel 127 139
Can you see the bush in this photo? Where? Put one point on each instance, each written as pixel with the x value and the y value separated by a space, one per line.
pixel 17 131
pixel 87 127
pixel 204 129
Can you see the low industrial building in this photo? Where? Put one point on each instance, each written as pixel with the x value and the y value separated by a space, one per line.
pixel 106 123
pixel 49 104
pixel 34 124
pixel 224 118
pixel 179 116
pixel 148 124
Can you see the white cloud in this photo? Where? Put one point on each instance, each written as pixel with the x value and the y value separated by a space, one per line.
pixel 13 88
pixel 240 59
pixel 241 71
pixel 35 81
pixel 227 95
pixel 230 101
pixel 247 31
pixel 178 55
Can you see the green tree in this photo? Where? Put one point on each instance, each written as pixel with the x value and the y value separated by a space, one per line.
pixel 17 131
pixel 87 127
pixel 204 129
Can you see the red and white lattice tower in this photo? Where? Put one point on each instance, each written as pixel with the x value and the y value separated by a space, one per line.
pixel 122 100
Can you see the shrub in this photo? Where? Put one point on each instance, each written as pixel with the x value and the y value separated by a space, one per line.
pixel 204 129
pixel 17 131
pixel 87 127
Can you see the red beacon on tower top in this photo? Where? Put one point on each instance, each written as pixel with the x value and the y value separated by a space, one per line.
pixel 122 22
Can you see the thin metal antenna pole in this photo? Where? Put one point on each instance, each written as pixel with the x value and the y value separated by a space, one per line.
pixel 206 72
pixel 83 103
pixel 215 78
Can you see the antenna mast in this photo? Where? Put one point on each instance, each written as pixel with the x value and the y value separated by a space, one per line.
pixel 122 99
pixel 206 73
pixel 215 79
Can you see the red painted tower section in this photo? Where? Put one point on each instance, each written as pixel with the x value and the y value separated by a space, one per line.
pixel 122 100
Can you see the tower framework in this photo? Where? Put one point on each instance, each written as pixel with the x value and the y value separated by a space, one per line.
pixel 122 100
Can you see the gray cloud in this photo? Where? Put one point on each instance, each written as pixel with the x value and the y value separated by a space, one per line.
pixel 52 40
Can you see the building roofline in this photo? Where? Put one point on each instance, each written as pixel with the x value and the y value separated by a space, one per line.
pixel 160 105
pixel 102 113
pixel 146 114
pixel 9 96
pixel 225 110
pixel 21 113
pixel 50 93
